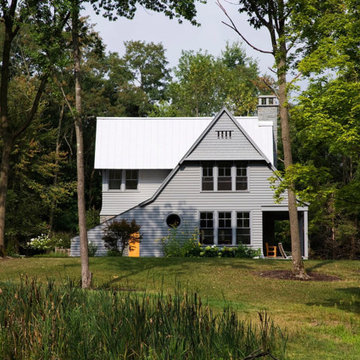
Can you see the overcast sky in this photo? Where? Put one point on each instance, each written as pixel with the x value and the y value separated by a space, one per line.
pixel 212 35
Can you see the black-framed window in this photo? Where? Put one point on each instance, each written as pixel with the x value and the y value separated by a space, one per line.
pixel 206 228
pixel 207 180
pixel 224 229
pixel 131 179
pixel 115 179
pixel 224 177
pixel 243 228
pixel 241 176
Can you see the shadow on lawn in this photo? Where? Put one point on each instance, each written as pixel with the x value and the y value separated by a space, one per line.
pixel 319 265
pixel 128 268
pixel 350 302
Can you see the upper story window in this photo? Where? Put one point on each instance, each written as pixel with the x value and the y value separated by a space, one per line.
pixel 132 179
pixel 115 177
pixel 207 181
pixel 241 177
pixel 123 179
pixel 224 177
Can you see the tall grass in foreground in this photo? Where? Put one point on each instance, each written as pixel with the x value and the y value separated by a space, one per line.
pixel 64 322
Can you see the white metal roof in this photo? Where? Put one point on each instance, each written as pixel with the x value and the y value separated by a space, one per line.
pixel 160 143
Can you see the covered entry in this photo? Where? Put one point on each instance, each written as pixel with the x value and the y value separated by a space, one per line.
pixel 275 222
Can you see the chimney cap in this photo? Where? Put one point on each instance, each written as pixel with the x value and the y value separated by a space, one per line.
pixel 268 100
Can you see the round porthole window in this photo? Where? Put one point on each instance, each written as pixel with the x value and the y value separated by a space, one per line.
pixel 173 220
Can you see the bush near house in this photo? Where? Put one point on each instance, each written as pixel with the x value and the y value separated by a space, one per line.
pixel 117 235
pixel 185 243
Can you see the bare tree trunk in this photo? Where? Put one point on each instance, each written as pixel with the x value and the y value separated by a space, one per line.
pixel 298 264
pixel 86 275
pixel 7 140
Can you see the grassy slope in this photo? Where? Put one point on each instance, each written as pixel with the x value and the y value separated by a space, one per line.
pixel 322 318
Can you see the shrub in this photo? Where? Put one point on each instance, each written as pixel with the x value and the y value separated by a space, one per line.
pixel 181 243
pixel 243 251
pixel 41 242
pixel 118 234
pixel 92 249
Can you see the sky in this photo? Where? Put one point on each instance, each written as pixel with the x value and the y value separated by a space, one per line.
pixel 212 35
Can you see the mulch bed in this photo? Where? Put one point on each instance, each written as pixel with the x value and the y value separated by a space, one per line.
pixel 288 275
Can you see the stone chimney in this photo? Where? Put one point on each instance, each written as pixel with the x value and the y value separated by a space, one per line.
pixel 268 110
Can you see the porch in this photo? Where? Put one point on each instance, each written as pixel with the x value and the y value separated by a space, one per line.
pixel 276 229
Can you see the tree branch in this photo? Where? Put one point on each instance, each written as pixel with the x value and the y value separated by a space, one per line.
pixel 233 27
pixel 65 98
pixel 34 107
pixel 271 88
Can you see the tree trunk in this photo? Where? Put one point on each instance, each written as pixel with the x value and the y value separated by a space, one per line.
pixel 298 264
pixel 6 138
pixel 85 273
pixel 4 176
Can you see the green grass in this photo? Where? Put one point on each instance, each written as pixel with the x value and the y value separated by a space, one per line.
pixel 322 319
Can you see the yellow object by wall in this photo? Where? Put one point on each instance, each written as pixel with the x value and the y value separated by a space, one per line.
pixel 134 245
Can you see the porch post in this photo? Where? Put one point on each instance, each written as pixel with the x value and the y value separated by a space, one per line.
pixel 306 239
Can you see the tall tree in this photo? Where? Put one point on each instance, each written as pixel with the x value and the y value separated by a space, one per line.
pixel 205 83
pixel 45 21
pixel 277 17
pixel 326 127
pixel 178 9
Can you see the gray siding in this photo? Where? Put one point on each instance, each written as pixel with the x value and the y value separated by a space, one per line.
pixel 115 201
pixel 236 148
pixel 183 196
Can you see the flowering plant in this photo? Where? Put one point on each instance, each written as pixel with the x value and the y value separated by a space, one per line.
pixel 41 242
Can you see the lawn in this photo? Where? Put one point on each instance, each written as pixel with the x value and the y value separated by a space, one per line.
pixel 322 319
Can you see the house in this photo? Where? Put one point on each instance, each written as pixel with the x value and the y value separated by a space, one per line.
pixel 204 173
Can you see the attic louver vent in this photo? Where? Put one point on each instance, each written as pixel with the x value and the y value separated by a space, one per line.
pixel 224 134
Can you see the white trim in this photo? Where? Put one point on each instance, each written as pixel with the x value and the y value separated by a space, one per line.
pixel 306 236
pixel 281 208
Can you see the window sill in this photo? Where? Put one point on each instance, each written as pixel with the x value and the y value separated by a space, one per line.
pixel 121 191
pixel 224 191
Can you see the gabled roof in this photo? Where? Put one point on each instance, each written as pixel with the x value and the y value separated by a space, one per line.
pixel 160 143
pixel 196 143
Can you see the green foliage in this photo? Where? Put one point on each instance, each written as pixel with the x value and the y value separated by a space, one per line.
pixel 204 83
pixel 183 242
pixel 67 322
pixel 41 242
pixel 180 242
pixel 92 218
pixel 118 234
pixel 92 249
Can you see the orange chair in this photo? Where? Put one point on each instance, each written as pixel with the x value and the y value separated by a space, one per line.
pixel 270 250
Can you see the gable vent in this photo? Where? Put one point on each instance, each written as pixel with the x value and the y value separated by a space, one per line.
pixel 224 134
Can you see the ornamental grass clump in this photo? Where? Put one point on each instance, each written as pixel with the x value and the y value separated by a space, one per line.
pixel 65 322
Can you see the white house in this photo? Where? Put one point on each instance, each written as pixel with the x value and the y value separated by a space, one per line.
pixel 204 173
